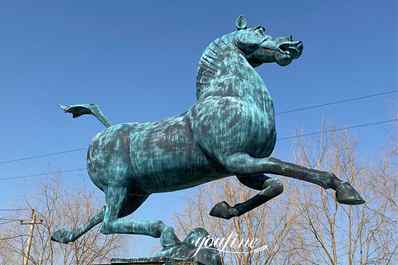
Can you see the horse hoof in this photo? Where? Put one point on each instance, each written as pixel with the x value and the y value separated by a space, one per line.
pixel 168 238
pixel 346 194
pixel 62 236
pixel 223 210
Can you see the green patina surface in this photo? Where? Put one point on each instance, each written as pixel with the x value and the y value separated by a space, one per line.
pixel 233 114
pixel 230 130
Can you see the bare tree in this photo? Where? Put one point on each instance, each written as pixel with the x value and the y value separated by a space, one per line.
pixel 270 224
pixel 341 234
pixel 58 207
pixel 6 257
pixel 305 225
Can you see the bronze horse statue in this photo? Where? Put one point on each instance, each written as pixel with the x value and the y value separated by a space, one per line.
pixel 229 131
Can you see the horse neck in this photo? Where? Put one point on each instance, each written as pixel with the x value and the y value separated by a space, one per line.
pixel 220 60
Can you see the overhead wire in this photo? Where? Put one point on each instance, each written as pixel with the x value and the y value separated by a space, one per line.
pixel 361 125
pixel 299 109
pixel 341 101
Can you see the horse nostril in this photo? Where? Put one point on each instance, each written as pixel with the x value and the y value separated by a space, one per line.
pixel 300 45
pixel 284 46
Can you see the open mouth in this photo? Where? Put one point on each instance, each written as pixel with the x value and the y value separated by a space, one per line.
pixel 293 48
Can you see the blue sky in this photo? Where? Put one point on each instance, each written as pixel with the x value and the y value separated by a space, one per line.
pixel 137 60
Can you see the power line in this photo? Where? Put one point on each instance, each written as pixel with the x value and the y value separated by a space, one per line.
pixel 11 237
pixel 4 221
pixel 44 174
pixel 346 100
pixel 368 124
pixel 361 125
pixel 9 219
pixel 42 155
pixel 13 210
pixel 305 108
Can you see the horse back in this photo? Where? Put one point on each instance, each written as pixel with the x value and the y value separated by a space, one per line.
pixel 154 156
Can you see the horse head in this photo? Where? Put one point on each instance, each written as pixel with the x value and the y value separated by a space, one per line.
pixel 259 48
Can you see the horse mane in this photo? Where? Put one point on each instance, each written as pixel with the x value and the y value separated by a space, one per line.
pixel 210 63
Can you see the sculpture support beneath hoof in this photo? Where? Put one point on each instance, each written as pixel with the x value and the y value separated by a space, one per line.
pixel 174 251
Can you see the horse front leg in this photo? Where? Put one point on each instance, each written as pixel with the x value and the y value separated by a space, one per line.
pixel 270 188
pixel 242 163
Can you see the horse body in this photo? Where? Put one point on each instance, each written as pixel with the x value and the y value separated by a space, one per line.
pixel 149 157
pixel 230 130
pixel 181 152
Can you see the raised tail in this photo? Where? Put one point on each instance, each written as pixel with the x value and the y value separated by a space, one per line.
pixel 66 236
pixel 84 109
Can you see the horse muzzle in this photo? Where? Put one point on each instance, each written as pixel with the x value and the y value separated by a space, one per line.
pixel 292 48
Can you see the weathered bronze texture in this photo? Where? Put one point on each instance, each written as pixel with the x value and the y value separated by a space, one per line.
pixel 229 131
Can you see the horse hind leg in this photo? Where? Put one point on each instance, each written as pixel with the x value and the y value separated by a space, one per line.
pixel 66 235
pixel 129 205
pixel 113 222
pixel 270 188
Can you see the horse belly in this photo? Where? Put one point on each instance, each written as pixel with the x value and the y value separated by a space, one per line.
pixel 164 157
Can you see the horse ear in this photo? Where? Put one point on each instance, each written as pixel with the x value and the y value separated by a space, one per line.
pixel 241 23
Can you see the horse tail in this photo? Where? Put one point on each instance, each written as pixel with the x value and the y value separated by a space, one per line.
pixel 66 236
pixel 86 109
